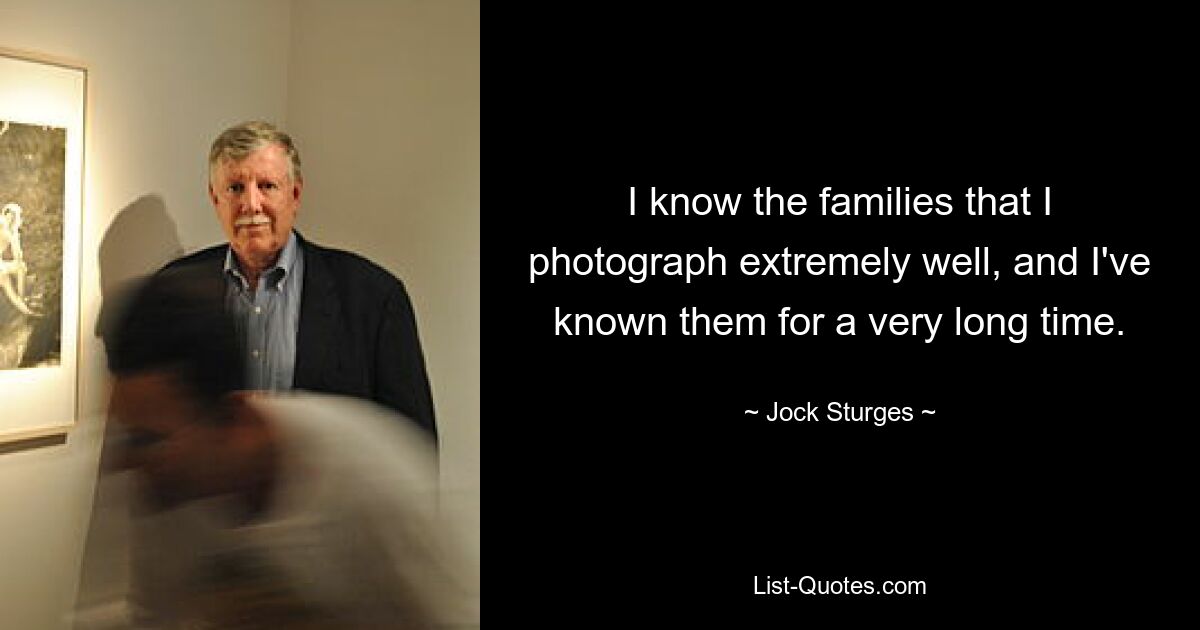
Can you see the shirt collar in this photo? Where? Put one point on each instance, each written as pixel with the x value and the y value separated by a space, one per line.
pixel 273 275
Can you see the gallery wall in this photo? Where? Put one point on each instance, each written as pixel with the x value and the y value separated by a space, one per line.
pixel 385 98
pixel 164 78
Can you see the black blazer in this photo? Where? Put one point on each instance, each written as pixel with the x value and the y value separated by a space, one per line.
pixel 358 333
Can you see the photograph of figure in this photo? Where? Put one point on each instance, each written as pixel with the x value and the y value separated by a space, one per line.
pixel 32 168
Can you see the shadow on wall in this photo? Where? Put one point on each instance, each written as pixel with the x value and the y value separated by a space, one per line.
pixel 141 239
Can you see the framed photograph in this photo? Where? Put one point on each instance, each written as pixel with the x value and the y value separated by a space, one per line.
pixel 43 103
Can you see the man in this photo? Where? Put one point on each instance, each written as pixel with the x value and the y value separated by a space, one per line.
pixel 309 317
pixel 264 510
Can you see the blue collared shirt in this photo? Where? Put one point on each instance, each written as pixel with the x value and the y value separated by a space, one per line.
pixel 268 318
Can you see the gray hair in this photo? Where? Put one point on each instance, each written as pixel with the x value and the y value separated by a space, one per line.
pixel 239 141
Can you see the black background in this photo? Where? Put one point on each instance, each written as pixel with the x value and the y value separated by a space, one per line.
pixel 625 483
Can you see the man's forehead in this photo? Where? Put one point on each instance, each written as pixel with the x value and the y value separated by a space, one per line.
pixel 268 160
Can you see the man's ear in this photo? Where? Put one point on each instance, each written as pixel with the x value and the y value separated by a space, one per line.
pixel 297 188
pixel 212 194
pixel 237 405
pixel 242 413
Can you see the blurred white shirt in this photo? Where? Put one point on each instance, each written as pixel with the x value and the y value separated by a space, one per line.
pixel 353 536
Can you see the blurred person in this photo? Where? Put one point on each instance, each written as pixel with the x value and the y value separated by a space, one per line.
pixel 310 317
pixel 260 510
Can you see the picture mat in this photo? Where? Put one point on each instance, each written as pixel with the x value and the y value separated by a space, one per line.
pixel 39 400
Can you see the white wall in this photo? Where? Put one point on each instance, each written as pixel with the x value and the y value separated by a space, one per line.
pixel 384 99
pixel 165 76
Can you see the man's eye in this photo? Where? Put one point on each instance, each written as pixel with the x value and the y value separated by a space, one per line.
pixel 135 439
pixel 268 186
pixel 235 188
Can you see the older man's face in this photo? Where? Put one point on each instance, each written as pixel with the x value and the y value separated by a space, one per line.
pixel 256 201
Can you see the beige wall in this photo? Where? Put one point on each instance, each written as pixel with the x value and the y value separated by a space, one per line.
pixel 384 97
pixel 165 76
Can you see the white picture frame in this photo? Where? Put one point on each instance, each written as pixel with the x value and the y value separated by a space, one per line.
pixel 43 111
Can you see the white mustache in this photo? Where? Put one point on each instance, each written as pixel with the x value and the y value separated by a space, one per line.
pixel 254 219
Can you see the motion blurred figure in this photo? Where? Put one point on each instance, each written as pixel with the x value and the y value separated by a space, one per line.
pixel 267 510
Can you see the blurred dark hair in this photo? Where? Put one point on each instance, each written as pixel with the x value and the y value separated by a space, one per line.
pixel 176 320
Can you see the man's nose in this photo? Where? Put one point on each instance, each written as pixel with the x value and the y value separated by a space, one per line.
pixel 254 199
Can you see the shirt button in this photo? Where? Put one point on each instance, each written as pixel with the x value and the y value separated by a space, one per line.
pixel 254 353
pixel 258 310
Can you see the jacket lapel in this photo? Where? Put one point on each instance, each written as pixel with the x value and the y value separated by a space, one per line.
pixel 315 351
